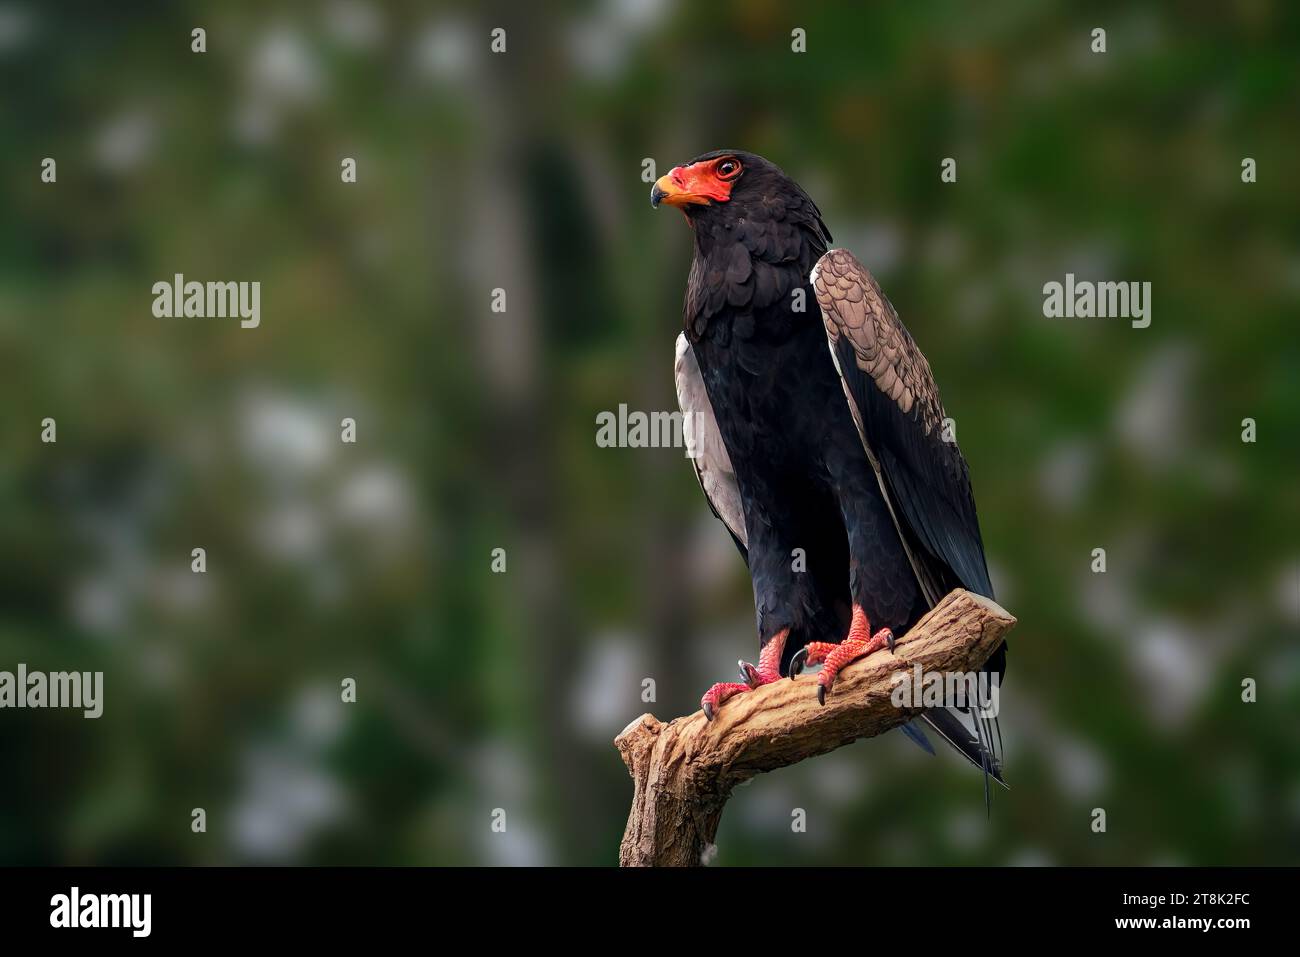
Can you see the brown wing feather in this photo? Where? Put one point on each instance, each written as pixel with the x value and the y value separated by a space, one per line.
pixel 854 306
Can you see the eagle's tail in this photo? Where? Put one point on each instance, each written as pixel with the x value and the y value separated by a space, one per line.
pixel 976 746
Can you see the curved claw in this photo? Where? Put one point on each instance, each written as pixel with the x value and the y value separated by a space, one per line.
pixel 821 694
pixel 889 640
pixel 708 711
pixel 748 673
pixel 798 661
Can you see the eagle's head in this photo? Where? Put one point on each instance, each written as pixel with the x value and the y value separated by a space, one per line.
pixel 757 235
pixel 722 180
pixel 723 191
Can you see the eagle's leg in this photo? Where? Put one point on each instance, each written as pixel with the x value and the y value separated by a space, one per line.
pixel 768 670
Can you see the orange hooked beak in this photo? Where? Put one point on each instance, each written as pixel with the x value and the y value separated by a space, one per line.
pixel 694 185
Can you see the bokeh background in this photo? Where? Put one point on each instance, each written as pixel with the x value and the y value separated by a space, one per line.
pixel 476 430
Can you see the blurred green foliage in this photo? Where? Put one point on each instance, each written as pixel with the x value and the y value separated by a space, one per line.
pixel 522 171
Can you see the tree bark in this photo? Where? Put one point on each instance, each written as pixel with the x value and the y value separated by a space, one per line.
pixel 683 772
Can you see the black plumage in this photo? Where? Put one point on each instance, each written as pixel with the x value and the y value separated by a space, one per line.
pixel 821 425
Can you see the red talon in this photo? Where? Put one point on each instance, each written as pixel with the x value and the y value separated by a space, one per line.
pixel 768 670
pixel 815 652
pixel 856 645
pixel 719 693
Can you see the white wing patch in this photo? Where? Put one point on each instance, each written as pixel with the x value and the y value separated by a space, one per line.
pixel 708 452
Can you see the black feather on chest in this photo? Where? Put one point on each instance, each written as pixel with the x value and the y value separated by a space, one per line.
pixel 749 277
pixel 757 332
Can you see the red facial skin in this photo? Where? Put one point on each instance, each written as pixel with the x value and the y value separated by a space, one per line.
pixel 700 183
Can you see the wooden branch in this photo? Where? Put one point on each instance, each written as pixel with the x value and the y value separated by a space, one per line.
pixel 684 771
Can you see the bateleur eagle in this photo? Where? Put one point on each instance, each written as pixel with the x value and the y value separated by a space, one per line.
pixel 817 426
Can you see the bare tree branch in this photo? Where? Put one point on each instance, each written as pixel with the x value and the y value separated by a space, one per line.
pixel 684 771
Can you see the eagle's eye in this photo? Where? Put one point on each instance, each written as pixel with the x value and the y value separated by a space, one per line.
pixel 728 168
